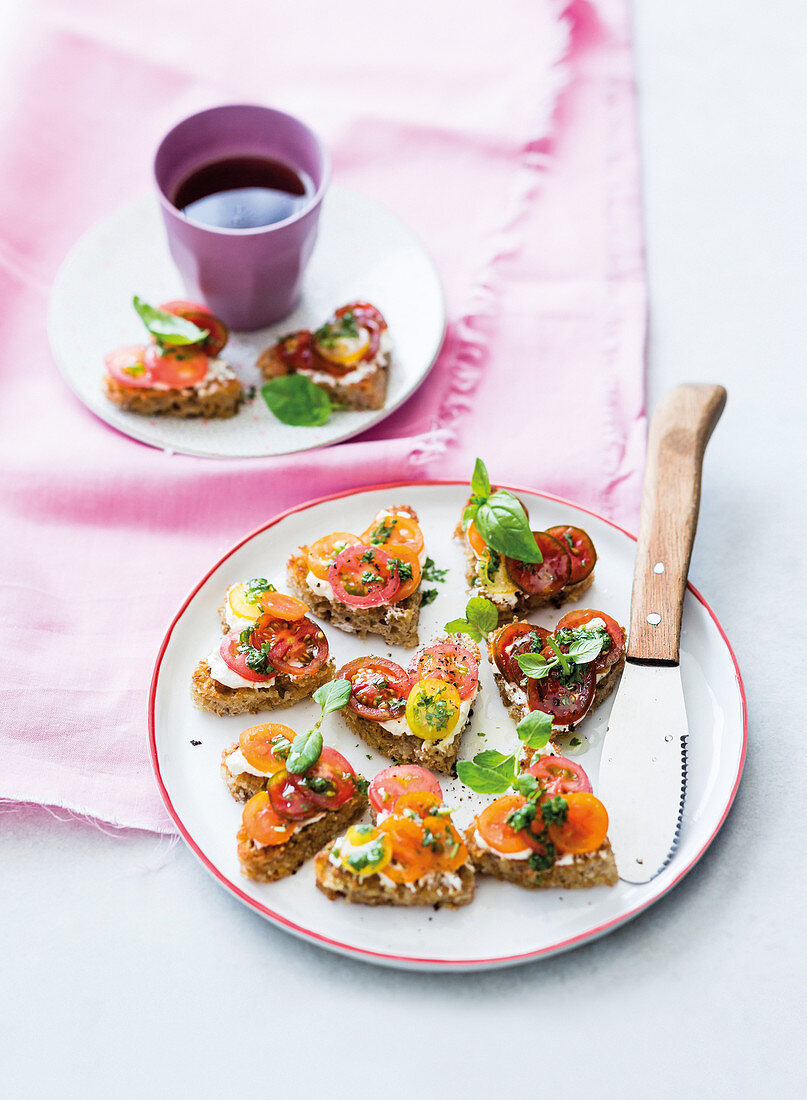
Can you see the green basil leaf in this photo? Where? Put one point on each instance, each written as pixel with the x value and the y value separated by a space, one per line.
pixel 526 784
pixel 482 614
pixel 305 751
pixel 534 665
pixel 502 524
pixel 333 696
pixel 584 651
pixel 167 328
pixel 480 482
pixel 295 400
pixel 462 626
pixel 482 780
pixel 535 729
pixel 497 762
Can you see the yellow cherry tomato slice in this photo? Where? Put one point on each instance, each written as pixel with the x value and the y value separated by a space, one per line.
pixel 433 709
pixel 266 747
pixel 585 828
pixel 281 606
pixel 262 823
pixel 337 346
pixel 241 604
pixel 410 570
pixel 365 850
pixel 322 553
pixel 398 528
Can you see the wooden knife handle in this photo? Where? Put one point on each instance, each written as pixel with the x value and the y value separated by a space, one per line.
pixel 679 431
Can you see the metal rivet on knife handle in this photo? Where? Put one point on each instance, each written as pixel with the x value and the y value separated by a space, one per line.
pixel 654 618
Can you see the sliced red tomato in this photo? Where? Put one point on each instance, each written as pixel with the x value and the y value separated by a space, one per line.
pixel 582 554
pixel 321 554
pixel 548 577
pixel 559 775
pixel 262 823
pixel 128 366
pixel 574 619
pixel 585 828
pixel 448 661
pixel 217 332
pixel 266 746
pixel 566 703
pixel 379 688
pixel 295 648
pixel 361 577
pixel 409 565
pixel 291 800
pixel 238 661
pixel 281 606
pixel 492 826
pixel 391 783
pixel 510 642
pixel 329 783
pixel 176 367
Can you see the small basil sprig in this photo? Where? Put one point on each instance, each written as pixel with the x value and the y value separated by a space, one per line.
pixel 166 328
pixel 491 772
pixel 500 519
pixel 307 747
pixel 296 400
pixel 582 651
pixel 480 618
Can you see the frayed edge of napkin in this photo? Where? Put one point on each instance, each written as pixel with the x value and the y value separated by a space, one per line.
pixel 118 830
pixel 470 335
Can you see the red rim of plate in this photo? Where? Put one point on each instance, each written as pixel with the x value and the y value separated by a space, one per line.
pixel 380 956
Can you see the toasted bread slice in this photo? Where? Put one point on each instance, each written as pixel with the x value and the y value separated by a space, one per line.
pixel 405 748
pixel 570 872
pixel 209 694
pixel 396 623
pixel 362 388
pixel 267 864
pixel 217 397
pixel 445 888
pixel 516 603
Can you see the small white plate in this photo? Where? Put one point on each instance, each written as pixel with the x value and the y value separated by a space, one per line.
pixel 504 924
pixel 363 252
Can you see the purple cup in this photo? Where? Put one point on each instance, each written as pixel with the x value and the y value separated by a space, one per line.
pixel 248 277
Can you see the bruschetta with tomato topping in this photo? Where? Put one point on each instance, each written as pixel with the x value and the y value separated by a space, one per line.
pixel 566 673
pixel 296 799
pixel 349 356
pixel 271 655
pixel 411 856
pixel 415 715
pixel 550 833
pixel 168 378
pixel 369 583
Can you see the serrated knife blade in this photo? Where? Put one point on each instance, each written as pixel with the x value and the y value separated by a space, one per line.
pixel 643 769
pixel 642 779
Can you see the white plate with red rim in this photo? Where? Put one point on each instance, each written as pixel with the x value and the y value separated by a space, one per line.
pixel 363 253
pixel 504 924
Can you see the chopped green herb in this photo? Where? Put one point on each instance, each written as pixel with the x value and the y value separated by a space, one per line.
pixel 427 596
pixel 432 573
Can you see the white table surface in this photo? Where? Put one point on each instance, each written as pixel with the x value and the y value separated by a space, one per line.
pixel 126 972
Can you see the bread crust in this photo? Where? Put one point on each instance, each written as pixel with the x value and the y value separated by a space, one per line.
pixel 591 869
pixel 281 860
pixel 368 392
pixel 208 694
pixel 524 601
pixel 406 748
pixel 215 399
pixel 395 623
pixel 337 883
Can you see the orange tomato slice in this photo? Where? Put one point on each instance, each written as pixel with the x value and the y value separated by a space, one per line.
pixel 410 860
pixel 586 827
pixel 322 553
pixel 448 847
pixel 478 544
pixel 396 528
pixel 492 826
pixel 258 744
pixel 280 606
pixel 422 802
pixel 408 556
pixel 262 823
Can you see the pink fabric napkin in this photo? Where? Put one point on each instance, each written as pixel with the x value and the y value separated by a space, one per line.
pixel 508 144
